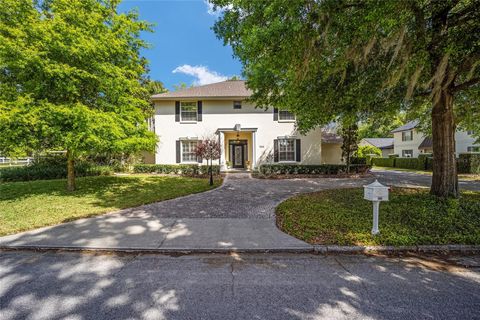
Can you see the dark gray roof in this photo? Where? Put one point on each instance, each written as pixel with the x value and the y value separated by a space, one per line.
pixel 426 143
pixel 409 126
pixel 381 143
pixel 224 89
pixel 329 137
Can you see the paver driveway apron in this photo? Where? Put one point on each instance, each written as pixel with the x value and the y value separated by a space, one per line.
pixel 238 215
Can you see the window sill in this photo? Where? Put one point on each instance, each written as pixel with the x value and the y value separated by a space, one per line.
pixel 188 122
pixel 287 121
pixel 288 162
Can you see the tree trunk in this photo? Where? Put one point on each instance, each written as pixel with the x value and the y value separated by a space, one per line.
pixel 211 172
pixel 444 180
pixel 70 172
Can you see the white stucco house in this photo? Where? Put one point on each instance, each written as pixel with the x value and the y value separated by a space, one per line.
pixel 248 136
pixel 410 142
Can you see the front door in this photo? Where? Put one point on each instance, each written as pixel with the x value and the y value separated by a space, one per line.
pixel 238 156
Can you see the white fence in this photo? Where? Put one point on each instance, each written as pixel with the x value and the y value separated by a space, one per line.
pixel 4 161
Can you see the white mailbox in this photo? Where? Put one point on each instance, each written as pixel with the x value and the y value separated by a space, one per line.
pixel 375 191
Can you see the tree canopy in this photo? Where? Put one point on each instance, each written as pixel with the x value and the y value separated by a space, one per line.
pixel 325 60
pixel 71 78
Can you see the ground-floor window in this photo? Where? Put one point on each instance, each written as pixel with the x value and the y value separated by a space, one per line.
pixel 407 153
pixel 473 149
pixel 286 150
pixel 188 150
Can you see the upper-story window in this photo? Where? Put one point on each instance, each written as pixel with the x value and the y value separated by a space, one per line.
pixel 407 135
pixel 237 104
pixel 284 115
pixel 470 132
pixel 188 111
pixel 473 149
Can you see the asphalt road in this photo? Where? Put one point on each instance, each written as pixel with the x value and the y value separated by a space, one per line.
pixel 36 285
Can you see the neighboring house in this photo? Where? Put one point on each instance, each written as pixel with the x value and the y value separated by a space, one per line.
pixel 410 142
pixel 248 136
pixel 384 144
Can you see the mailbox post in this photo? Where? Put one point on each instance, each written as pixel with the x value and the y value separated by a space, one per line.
pixel 375 192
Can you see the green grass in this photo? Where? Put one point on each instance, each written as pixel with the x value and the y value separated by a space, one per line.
pixel 33 204
pixel 461 176
pixel 411 217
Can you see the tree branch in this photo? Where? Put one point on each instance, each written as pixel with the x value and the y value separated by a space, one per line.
pixel 466 84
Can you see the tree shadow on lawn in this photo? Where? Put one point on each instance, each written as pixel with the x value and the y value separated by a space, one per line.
pixel 86 286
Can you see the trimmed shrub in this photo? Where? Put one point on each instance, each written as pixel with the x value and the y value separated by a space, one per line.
pixel 323 169
pixel 183 169
pixel 408 163
pixel 468 163
pixel 42 171
pixel 384 162
pixel 358 160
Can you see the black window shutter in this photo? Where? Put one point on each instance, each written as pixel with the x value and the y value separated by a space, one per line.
pixel 177 111
pixel 275 114
pixel 298 150
pixel 199 108
pixel 275 150
pixel 178 149
pixel 199 159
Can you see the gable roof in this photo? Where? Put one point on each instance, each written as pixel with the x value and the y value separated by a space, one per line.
pixel 224 89
pixel 381 143
pixel 408 126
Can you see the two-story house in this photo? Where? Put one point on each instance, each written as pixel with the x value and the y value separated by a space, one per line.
pixel 248 136
pixel 410 142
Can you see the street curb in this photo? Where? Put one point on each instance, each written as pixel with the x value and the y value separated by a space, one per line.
pixel 316 249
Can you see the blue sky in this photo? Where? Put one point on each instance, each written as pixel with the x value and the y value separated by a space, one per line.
pixel 184 48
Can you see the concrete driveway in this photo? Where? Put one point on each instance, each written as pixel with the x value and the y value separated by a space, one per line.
pixel 238 215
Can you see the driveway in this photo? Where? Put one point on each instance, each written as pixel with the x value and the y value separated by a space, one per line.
pixel 238 215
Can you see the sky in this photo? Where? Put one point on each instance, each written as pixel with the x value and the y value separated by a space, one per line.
pixel 184 48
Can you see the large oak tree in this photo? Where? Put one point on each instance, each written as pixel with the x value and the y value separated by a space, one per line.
pixel 71 79
pixel 330 59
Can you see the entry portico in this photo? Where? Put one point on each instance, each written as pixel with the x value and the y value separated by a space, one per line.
pixel 237 147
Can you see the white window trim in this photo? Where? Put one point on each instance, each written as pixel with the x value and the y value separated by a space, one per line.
pixel 286 120
pixel 294 151
pixel 181 151
pixel 188 121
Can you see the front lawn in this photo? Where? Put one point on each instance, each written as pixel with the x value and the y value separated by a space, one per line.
pixel 412 216
pixel 33 204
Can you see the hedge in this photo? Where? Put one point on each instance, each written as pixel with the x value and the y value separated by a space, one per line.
pixel 383 162
pixel 183 169
pixel 468 163
pixel 323 169
pixel 43 171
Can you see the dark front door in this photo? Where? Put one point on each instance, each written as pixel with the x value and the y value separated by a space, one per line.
pixel 238 156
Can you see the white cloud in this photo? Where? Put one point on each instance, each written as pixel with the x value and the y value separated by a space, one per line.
pixel 212 11
pixel 201 73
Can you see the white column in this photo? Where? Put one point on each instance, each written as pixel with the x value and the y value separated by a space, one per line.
pixel 254 149
pixel 222 151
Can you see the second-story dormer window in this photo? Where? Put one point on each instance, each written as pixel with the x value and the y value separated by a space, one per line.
pixel 188 111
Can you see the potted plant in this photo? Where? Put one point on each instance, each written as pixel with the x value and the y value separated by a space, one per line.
pixel 229 164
